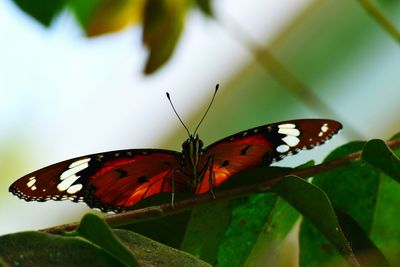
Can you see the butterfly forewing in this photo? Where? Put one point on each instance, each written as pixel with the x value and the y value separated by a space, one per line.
pixel 264 145
pixel 109 181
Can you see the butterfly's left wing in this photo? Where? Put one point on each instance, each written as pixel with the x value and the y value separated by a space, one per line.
pixel 264 145
pixel 110 181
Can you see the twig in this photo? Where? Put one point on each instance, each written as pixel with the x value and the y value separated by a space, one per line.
pixel 381 19
pixel 129 217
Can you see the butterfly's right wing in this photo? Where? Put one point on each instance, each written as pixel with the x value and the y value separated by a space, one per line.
pixel 263 145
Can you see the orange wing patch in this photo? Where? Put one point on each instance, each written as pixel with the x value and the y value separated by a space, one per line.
pixel 232 156
pixel 125 181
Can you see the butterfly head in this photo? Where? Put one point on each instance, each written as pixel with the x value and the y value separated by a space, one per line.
pixel 193 145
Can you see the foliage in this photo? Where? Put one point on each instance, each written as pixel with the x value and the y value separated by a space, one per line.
pixel 162 20
pixel 349 218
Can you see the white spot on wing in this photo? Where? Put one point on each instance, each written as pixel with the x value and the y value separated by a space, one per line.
pixel 324 127
pixel 31 182
pixel 287 126
pixel 282 148
pixel 291 135
pixel 33 187
pixel 73 170
pixel 292 132
pixel 66 183
pixel 79 162
pixel 291 140
pixel 75 188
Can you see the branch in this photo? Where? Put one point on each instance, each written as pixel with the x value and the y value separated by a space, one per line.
pixel 143 214
pixel 381 19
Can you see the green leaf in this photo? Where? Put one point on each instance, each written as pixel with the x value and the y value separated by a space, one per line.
pixel 365 250
pixel 386 231
pixel 152 253
pixel 396 136
pixel 259 222
pixel 352 188
pixel 355 189
pixel 267 250
pixel 162 25
pixel 168 230
pixel 378 154
pixel 205 7
pixel 206 230
pixel 104 16
pixel 43 11
pixel 84 10
pixel 249 215
pixel 41 249
pixel 314 205
pixel 94 229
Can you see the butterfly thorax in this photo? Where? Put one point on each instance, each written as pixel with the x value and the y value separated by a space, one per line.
pixel 192 150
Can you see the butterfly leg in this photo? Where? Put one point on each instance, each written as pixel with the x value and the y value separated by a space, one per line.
pixel 173 188
pixel 211 177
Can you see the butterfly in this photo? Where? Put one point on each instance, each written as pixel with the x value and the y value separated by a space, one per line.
pixel 117 180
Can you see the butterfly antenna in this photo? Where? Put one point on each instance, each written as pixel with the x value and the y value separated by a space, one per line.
pixel 209 106
pixel 177 114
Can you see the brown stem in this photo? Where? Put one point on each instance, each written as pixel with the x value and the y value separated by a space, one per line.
pixel 129 217
pixel 380 18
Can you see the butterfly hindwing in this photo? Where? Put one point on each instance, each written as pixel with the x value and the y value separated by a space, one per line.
pixel 108 181
pixel 264 145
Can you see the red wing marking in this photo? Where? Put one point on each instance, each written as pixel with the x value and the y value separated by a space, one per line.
pixel 232 156
pixel 124 182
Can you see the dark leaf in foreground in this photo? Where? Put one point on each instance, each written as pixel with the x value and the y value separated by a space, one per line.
pixel 365 250
pixel 43 10
pixel 314 205
pixel 378 154
pixel 94 229
pixel 40 249
pixel 152 253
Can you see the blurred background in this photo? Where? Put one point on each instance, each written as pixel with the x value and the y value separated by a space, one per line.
pixel 77 86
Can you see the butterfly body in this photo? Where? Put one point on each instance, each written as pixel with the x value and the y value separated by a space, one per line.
pixel 192 155
pixel 117 180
